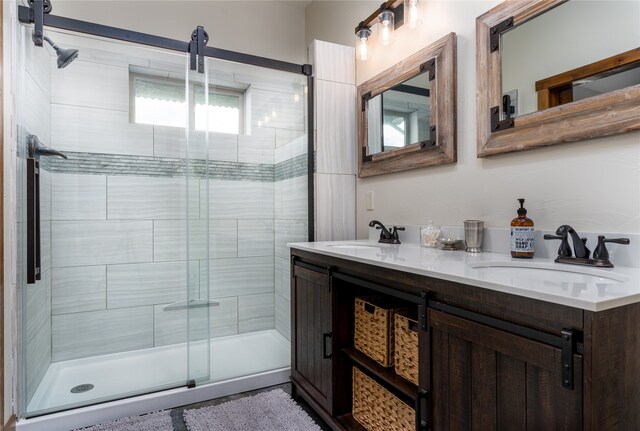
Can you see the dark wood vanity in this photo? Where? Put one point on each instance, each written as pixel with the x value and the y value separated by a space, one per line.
pixel 488 360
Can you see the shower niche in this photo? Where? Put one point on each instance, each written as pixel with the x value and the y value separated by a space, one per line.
pixel 162 234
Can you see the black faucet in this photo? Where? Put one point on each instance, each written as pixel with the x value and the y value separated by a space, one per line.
pixel 580 249
pixel 600 255
pixel 386 236
pixel 579 244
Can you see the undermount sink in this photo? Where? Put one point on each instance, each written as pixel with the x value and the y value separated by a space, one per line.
pixel 551 271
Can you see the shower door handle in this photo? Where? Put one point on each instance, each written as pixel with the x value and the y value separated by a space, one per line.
pixel 33 221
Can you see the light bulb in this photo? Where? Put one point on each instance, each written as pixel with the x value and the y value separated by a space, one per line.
pixel 386 19
pixel 363 34
pixel 386 39
pixel 363 52
pixel 413 13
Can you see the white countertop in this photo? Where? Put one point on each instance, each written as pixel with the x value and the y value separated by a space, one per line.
pixel 593 289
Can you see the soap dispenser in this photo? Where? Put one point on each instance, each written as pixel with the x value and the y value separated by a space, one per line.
pixel 522 234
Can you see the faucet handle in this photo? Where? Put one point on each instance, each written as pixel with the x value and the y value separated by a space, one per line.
pixel 601 252
pixel 564 250
pixel 394 234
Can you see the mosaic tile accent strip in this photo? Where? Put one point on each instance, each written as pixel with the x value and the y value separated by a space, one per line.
pixel 124 165
pixel 238 171
pixel 292 168
pixel 114 164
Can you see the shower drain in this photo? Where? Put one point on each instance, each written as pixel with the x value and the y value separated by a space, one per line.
pixel 81 388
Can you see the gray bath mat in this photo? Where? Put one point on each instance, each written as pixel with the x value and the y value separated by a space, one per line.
pixel 268 411
pixel 157 421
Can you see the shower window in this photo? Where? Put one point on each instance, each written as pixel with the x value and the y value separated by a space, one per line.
pixel 395 129
pixel 161 102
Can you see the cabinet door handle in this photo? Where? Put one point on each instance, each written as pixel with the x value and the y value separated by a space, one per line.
pixel 324 345
pixel 421 425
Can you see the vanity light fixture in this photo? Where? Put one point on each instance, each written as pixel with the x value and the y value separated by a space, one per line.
pixel 389 16
pixel 363 34
pixel 413 15
pixel 386 19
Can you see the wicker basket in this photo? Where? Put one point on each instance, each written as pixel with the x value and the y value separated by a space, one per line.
pixel 373 330
pixel 377 409
pixel 406 348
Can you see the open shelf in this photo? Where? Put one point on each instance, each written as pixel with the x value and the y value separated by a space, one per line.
pixel 386 375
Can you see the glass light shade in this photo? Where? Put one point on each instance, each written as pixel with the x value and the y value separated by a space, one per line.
pixel 363 49
pixel 387 27
pixel 412 13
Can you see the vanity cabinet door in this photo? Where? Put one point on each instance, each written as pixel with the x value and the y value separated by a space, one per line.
pixel 311 334
pixel 488 379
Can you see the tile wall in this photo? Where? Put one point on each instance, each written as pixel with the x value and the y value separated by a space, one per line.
pixel 291 218
pixel 335 129
pixel 121 207
pixel 334 201
pixel 34 117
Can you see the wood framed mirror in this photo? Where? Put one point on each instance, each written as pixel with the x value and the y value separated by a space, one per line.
pixel 556 71
pixel 407 114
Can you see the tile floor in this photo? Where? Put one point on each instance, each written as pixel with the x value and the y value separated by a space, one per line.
pixel 179 425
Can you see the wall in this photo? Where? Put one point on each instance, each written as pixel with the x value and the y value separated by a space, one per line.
pixel 9 221
pixel 291 218
pixel 34 117
pixel 335 131
pixel 334 177
pixel 335 21
pixel 267 28
pixel 604 29
pixel 592 185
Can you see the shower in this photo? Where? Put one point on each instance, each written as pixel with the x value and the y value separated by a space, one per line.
pixel 161 256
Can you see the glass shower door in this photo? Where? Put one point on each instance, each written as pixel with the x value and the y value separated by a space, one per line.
pixel 119 306
pixel 202 307
pixel 258 202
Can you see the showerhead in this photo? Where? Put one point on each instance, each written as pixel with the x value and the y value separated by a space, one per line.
pixel 65 56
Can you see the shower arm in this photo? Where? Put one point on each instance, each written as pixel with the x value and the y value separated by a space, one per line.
pixel 36 148
pixel 50 42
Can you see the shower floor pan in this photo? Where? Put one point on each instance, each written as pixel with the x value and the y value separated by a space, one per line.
pixel 131 373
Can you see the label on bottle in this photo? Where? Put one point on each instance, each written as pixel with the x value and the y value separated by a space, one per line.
pixel 522 238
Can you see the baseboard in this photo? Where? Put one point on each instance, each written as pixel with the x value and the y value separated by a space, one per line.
pixel 11 424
